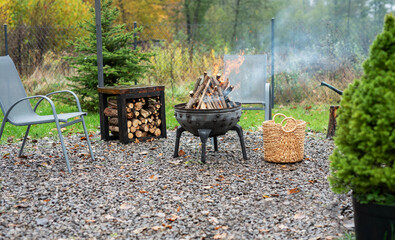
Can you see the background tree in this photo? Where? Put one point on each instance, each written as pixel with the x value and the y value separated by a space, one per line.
pixel 121 64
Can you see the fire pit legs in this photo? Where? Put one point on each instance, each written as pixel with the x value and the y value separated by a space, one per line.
pixel 239 131
pixel 178 136
pixel 215 143
pixel 203 134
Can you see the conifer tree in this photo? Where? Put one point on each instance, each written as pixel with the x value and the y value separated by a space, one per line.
pixel 121 64
pixel 364 158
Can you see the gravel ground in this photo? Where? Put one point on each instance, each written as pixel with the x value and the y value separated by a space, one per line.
pixel 139 191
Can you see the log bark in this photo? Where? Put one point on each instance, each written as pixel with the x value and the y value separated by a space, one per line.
pixel 204 93
pixel 112 103
pixel 196 94
pixel 110 112
pixel 332 122
pixel 113 128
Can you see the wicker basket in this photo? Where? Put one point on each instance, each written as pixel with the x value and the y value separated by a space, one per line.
pixel 283 143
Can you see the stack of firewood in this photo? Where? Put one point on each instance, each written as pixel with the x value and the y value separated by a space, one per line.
pixel 210 93
pixel 143 117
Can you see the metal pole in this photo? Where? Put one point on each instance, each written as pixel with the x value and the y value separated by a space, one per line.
pixel 272 62
pixel 135 35
pixel 99 44
pixel 135 42
pixel 5 39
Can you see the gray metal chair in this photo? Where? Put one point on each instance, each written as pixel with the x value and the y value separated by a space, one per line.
pixel 251 81
pixel 17 110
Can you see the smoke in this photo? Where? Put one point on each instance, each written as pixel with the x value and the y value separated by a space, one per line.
pixel 306 42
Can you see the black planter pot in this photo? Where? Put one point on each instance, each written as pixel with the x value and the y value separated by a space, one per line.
pixel 373 221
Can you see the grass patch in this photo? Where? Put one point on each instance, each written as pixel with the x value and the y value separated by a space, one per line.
pixel 316 116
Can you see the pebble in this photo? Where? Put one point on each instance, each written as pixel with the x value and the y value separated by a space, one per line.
pixel 139 191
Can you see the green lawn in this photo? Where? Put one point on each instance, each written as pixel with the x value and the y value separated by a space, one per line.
pixel 316 116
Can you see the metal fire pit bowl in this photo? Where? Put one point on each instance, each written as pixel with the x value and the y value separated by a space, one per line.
pixel 206 123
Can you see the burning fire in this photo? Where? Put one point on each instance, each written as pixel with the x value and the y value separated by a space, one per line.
pixel 212 92
pixel 233 65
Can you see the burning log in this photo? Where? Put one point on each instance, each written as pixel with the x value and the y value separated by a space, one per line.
pixel 211 93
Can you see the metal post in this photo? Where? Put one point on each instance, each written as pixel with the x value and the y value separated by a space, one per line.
pixel 135 42
pixel 5 39
pixel 272 62
pixel 99 44
pixel 135 35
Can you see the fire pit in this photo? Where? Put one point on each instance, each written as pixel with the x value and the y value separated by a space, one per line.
pixel 207 123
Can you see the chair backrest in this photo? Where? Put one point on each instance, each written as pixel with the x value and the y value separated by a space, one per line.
pixel 11 89
pixel 249 78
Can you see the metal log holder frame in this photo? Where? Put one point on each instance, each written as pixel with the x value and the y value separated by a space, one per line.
pixel 123 93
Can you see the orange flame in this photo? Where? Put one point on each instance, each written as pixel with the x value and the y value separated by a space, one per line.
pixel 233 65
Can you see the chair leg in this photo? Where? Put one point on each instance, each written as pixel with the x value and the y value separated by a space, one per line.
pixel 87 138
pixel 63 147
pixel 24 140
pixel 2 127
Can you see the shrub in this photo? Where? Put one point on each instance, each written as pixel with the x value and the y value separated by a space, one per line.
pixel 364 157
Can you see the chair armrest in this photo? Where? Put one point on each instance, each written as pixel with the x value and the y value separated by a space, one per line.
pixel 62 91
pixel 31 97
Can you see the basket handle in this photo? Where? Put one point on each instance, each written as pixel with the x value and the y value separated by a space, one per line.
pixel 286 119
pixel 278 114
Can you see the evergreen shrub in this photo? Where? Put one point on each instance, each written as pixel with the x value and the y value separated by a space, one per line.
pixel 364 157
pixel 121 64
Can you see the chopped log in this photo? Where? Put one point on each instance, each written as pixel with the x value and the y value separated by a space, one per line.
pixel 135 122
pixel 143 120
pixel 130 115
pixel 133 129
pixel 138 106
pixel 152 130
pixel 130 135
pixel 113 128
pixel 136 113
pixel 157 132
pixel 219 90
pixel 158 122
pixel 204 93
pixel 113 121
pixel 110 112
pixel 144 113
pixel 112 103
pixel 157 105
pixel 130 105
pixel 144 127
pixel 151 108
pixel 332 122
pixel 196 94
pixel 139 133
pixel 197 83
